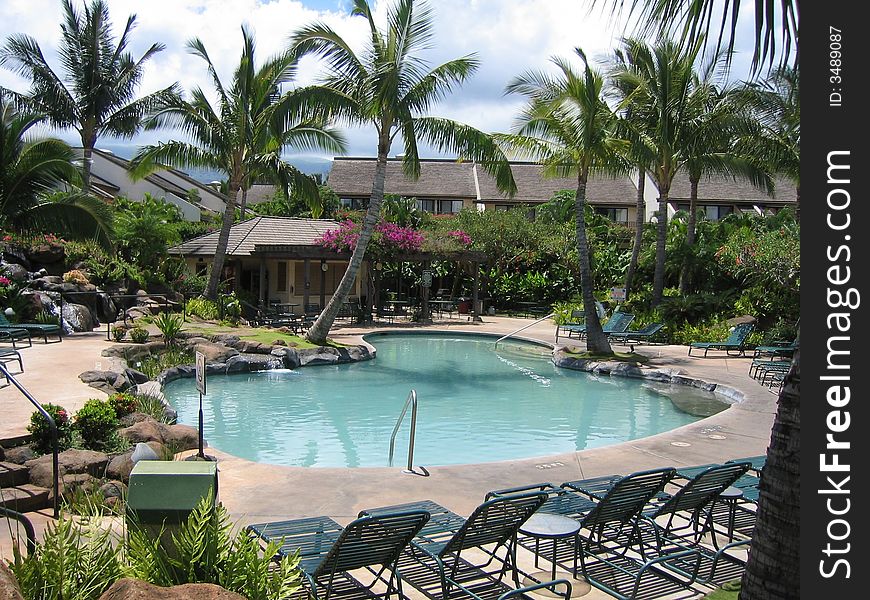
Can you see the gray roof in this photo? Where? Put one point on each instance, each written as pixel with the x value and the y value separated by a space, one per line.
pixel 438 178
pixel 725 189
pixel 258 230
pixel 532 187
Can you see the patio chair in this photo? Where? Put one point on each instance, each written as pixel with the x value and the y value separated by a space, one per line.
pixel 328 551
pixel 40 329
pixel 635 337
pixel 569 327
pixel 617 323
pixel 437 563
pixel 14 334
pixel 9 355
pixel 735 342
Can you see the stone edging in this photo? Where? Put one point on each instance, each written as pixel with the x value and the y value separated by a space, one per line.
pixel 563 359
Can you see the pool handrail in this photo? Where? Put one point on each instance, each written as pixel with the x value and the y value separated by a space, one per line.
pixel 412 402
pixel 521 328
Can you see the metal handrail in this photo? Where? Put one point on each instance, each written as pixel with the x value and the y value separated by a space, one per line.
pixel 521 328
pixel 52 426
pixel 412 402
pixel 29 532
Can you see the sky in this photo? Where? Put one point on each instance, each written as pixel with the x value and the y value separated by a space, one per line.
pixel 508 37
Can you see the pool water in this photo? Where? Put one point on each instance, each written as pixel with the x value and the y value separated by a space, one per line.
pixel 476 404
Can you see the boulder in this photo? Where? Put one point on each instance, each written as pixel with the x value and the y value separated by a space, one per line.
pixel 113 489
pixel 72 482
pixel 78 317
pixel 216 353
pixel 740 320
pixel 119 467
pixel 15 272
pixel 162 452
pixel 147 430
pixel 106 381
pixel 2 454
pixel 19 454
pixel 74 461
pixel 288 356
pixel 134 589
pixel 42 475
pixel 46 254
pixel 323 355
pixel 181 437
pixel 9 589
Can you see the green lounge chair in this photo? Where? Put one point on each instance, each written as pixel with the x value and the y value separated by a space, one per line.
pixel 9 355
pixel 617 323
pixel 781 350
pixel 437 562
pixel 39 329
pixel 635 337
pixel 736 341
pixel 14 334
pixel 328 551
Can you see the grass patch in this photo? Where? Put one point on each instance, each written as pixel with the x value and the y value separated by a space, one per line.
pixel 728 591
pixel 631 357
pixel 267 336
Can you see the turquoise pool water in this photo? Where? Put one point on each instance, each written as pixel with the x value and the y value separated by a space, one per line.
pixel 475 405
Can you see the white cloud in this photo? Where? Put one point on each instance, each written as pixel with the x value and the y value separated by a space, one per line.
pixel 508 37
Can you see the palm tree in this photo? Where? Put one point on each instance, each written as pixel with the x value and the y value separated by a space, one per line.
pixel 96 91
pixel 388 86
pixel 569 128
pixel 31 170
pixel 656 82
pixel 244 136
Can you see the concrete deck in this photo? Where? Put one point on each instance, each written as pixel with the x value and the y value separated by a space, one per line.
pixel 254 492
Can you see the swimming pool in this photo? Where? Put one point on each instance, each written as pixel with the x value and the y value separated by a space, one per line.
pixel 475 405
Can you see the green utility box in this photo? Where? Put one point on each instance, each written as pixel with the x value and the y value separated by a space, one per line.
pixel 162 493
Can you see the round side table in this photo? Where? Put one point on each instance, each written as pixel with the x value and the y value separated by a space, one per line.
pixel 548 526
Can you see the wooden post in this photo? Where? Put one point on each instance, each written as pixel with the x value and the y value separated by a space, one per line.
pixel 474 315
pixel 306 292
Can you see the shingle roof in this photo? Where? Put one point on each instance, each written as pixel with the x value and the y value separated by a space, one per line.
pixel 726 189
pixel 533 188
pixel 438 178
pixel 258 230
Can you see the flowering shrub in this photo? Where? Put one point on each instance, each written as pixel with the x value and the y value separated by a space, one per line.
pixel 31 240
pixel 123 403
pixel 42 434
pixel 387 239
pixel 5 281
pixel 461 237
pixel 75 276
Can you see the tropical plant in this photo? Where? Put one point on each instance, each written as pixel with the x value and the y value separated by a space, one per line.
pixel 95 93
pixel 96 421
pixel 170 325
pixel 244 136
pixel 569 127
pixel 41 432
pixel 388 86
pixel 172 356
pixel 119 332
pixel 145 230
pixel 401 210
pixel 139 335
pixel 123 403
pixel 202 308
pixel 30 170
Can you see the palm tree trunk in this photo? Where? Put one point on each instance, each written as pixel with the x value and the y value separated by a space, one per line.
pixel 690 235
pixel 661 237
pixel 638 231
pixel 773 569
pixel 318 332
pixel 243 205
pixel 220 252
pixel 596 341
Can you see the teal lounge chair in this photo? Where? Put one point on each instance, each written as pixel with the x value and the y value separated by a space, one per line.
pixel 14 335
pixel 736 341
pixel 9 355
pixel 39 329
pixel 635 337
pixel 617 323
pixel 328 551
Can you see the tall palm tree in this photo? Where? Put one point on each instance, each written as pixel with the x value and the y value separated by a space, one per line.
pixel 95 93
pixel 569 128
pixel 389 86
pixel 31 170
pixel 243 136
pixel 656 82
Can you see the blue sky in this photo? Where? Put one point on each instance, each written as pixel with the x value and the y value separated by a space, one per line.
pixel 508 37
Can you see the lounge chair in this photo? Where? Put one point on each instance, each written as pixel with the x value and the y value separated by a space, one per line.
pixel 436 563
pixel 735 342
pixel 41 329
pixel 9 355
pixel 575 322
pixel 635 337
pixel 328 551
pixel 617 323
pixel 611 557
pixel 14 334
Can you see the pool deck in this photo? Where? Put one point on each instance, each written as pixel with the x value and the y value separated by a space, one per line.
pixel 254 492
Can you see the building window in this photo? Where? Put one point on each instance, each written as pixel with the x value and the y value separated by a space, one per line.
pixel 718 212
pixel 427 205
pixel 353 203
pixel 503 207
pixel 617 215
pixel 281 283
pixel 439 207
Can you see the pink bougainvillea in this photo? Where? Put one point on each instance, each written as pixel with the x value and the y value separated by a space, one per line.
pixel 388 238
pixel 461 237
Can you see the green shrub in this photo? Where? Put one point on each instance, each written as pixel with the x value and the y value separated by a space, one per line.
pixel 46 318
pixel 119 332
pixel 139 335
pixel 153 407
pixel 123 403
pixel 202 308
pixel 173 356
pixel 203 550
pixel 96 422
pixel 41 432
pixel 170 325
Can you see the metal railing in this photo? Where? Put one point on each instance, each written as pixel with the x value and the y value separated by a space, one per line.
pixel 412 402
pixel 29 532
pixel 504 337
pixel 52 426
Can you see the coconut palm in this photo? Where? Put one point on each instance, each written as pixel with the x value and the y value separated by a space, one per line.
pixel 569 128
pixel 656 83
pixel 389 86
pixel 31 171
pixel 243 136
pixel 95 93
